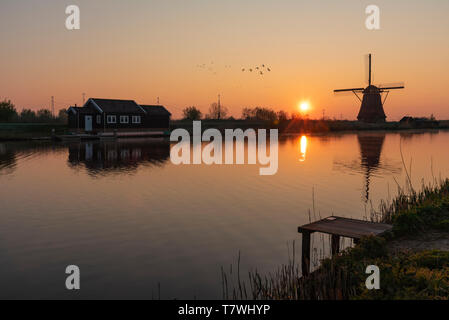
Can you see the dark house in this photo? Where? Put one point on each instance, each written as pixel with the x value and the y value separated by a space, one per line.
pixel 105 115
pixel 419 122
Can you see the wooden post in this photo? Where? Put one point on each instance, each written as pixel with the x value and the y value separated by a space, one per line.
pixel 335 244
pixel 305 253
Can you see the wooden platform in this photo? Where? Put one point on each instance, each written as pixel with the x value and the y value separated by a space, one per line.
pixel 345 227
pixel 338 227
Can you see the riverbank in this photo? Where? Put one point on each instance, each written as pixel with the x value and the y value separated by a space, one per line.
pixel 36 131
pixel 298 126
pixel 413 259
pixel 29 131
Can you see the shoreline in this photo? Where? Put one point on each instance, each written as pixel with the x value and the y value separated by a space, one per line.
pixel 413 258
pixel 43 131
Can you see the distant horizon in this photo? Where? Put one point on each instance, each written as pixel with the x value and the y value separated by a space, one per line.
pixel 186 53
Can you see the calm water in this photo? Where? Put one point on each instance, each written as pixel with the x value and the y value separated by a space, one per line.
pixel 132 221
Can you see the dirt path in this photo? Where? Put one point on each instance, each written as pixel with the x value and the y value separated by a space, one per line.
pixel 428 241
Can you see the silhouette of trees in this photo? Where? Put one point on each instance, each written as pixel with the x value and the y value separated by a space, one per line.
pixel 44 115
pixel 7 111
pixel 27 115
pixel 217 111
pixel 259 113
pixel 282 115
pixel 62 116
pixel 192 113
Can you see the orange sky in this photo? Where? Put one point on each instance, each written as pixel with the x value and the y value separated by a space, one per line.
pixel 142 50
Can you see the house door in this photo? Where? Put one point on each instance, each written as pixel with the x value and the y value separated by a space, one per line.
pixel 88 123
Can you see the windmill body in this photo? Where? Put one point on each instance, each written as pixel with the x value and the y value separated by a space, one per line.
pixel 372 108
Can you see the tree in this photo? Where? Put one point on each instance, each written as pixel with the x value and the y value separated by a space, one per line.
pixel 27 115
pixel 192 113
pixel 217 111
pixel 62 116
pixel 44 115
pixel 7 111
pixel 259 113
pixel 247 113
pixel 282 115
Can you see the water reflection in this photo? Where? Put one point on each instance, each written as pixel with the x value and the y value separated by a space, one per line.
pixel 7 159
pixel 303 148
pixel 370 150
pixel 123 156
pixel 370 162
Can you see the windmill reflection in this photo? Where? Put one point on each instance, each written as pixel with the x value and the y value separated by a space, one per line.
pixel 370 150
pixel 370 162
pixel 121 156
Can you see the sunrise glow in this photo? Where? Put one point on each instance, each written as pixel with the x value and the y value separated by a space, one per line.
pixel 304 106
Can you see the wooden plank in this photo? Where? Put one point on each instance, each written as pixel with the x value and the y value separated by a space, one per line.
pixel 345 227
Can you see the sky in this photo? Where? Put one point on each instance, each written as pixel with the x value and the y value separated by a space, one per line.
pixel 186 52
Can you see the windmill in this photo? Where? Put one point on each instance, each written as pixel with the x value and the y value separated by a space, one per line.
pixel 372 109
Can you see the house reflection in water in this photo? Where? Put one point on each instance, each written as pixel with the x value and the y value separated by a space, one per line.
pixel 121 156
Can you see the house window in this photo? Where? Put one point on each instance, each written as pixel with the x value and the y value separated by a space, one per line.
pixel 98 119
pixel 136 119
pixel 112 119
pixel 124 119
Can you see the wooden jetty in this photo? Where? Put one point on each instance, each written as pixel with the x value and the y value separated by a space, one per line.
pixel 338 227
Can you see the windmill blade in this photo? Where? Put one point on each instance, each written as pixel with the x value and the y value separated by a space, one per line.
pixel 393 88
pixel 349 90
pixel 344 93
pixel 389 86
pixel 368 69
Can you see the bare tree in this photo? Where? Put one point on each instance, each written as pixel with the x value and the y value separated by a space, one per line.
pixel 217 111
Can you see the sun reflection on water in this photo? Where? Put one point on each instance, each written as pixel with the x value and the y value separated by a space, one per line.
pixel 303 148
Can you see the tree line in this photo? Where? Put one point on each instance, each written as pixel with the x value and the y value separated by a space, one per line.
pixel 221 112
pixel 9 113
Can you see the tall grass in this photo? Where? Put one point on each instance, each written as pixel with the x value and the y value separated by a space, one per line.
pixel 340 277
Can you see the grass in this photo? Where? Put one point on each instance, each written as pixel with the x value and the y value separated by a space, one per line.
pixel 306 125
pixel 27 131
pixel 404 274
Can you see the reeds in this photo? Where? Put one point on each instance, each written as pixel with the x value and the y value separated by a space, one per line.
pixel 340 278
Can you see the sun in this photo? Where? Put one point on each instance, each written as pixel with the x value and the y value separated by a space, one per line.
pixel 304 106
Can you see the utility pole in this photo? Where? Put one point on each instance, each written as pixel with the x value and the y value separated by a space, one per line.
pixel 157 100
pixel 219 108
pixel 84 98
pixel 324 112
pixel 53 106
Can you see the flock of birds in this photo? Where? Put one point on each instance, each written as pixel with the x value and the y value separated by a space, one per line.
pixel 260 70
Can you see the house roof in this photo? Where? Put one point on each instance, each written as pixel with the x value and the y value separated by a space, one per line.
pixel 119 106
pixel 156 110
pixel 79 110
pixel 116 106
